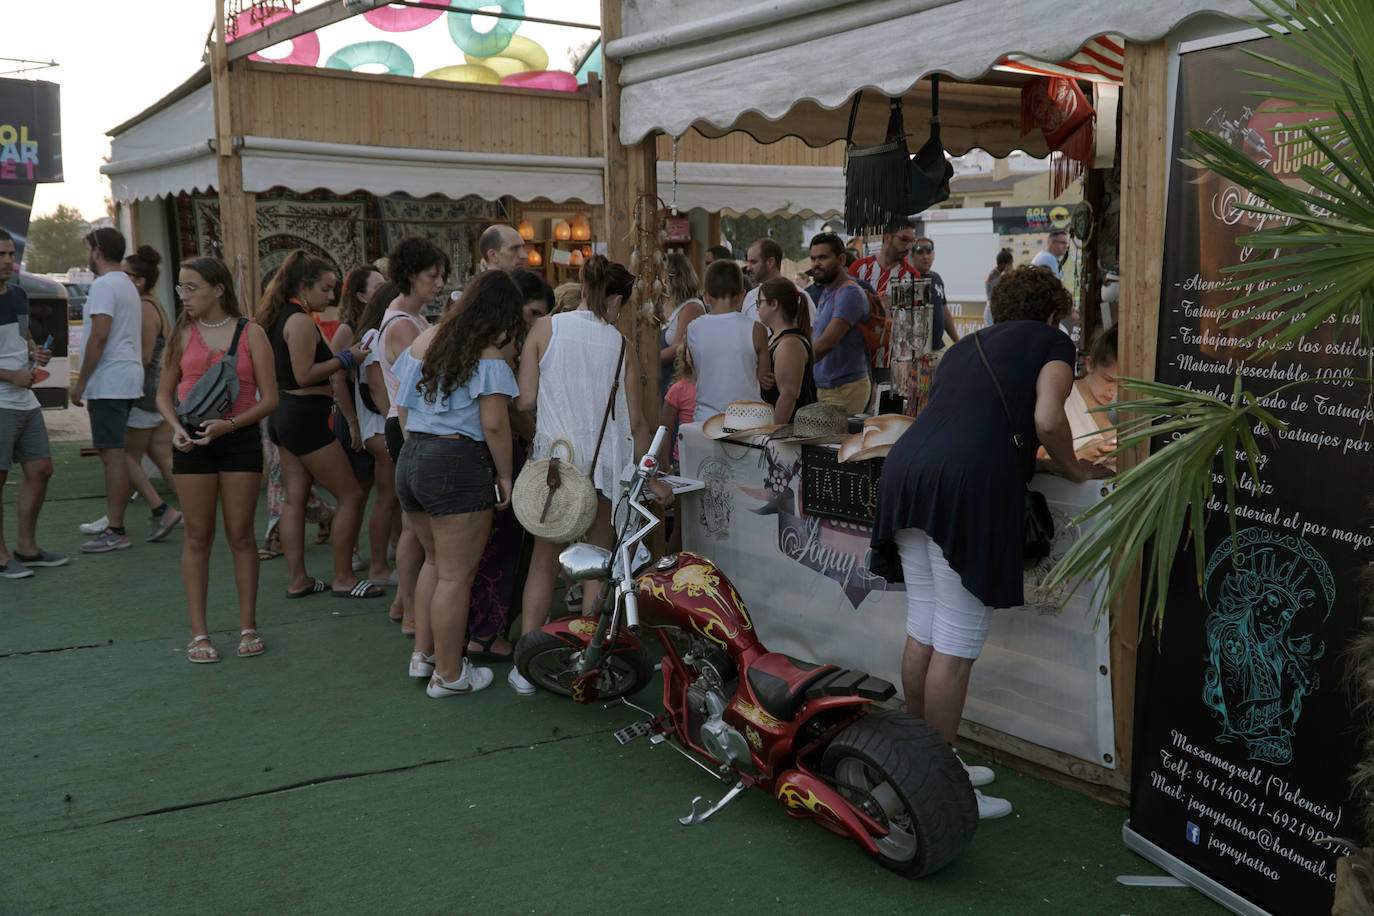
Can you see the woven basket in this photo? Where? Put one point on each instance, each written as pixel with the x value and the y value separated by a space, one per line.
pixel 557 505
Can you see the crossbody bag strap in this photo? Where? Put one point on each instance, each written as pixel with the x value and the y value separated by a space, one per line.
pixel 1015 436
pixel 238 332
pixel 610 405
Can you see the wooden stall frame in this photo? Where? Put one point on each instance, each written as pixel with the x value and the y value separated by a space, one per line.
pixel 237 209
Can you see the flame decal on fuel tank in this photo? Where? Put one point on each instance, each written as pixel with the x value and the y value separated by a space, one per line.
pixel 720 620
pixel 793 796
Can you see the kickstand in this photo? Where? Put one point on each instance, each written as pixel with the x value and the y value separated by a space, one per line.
pixel 697 817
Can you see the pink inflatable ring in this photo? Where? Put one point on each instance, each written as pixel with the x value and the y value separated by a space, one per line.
pixel 305 49
pixel 557 80
pixel 392 18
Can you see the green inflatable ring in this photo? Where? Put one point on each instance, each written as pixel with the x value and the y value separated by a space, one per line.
pixel 485 44
pixel 389 54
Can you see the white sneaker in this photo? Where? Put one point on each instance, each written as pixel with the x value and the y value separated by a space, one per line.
pixel 421 665
pixel 359 564
pixel 97 526
pixel 989 807
pixel 519 684
pixel 470 681
pixel 977 776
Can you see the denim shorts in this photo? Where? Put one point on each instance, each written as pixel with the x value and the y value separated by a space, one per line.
pixel 437 475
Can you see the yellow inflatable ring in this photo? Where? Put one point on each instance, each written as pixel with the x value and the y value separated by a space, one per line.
pixel 465 73
pixel 520 56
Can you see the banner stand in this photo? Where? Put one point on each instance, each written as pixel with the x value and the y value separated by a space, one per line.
pixel 1188 874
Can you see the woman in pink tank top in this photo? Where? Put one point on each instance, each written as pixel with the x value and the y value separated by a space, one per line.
pixel 220 461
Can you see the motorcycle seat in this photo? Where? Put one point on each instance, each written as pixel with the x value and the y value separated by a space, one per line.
pixel 781 683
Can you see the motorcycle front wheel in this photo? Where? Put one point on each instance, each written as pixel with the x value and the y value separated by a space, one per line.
pixel 898 769
pixel 550 663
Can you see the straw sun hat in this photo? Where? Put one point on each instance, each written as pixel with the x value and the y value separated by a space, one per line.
pixel 815 423
pixel 876 439
pixel 741 418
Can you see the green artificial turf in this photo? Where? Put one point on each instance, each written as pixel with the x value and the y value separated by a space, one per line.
pixel 318 778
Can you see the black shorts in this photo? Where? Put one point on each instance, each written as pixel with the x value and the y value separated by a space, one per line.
pixel 238 452
pixel 394 438
pixel 301 423
pixel 361 460
pixel 438 475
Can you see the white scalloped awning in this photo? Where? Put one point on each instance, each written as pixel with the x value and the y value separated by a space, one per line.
pixel 304 165
pixel 755 190
pixel 717 66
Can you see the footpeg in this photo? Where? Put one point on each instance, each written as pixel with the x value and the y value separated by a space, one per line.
pixel 696 817
pixel 631 732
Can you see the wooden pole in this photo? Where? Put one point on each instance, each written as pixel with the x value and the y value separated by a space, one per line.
pixel 629 173
pixel 1144 165
pixel 237 209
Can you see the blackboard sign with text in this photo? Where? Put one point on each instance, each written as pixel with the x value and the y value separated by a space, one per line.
pixel 1243 742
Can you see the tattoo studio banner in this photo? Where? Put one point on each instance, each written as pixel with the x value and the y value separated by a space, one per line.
pixel 1243 743
pixel 30 131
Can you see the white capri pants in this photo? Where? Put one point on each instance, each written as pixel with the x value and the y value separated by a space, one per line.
pixel 940 612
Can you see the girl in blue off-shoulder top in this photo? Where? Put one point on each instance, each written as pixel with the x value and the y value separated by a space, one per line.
pixel 455 465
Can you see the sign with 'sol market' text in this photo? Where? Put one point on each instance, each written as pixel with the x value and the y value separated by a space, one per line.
pixel 30 131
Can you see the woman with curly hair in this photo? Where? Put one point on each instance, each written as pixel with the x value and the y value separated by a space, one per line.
pixel 950 501
pixel 300 425
pixel 455 466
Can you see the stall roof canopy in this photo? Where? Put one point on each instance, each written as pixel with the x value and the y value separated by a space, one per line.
pixel 781 67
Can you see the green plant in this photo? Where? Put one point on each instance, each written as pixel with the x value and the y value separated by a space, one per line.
pixel 1323 268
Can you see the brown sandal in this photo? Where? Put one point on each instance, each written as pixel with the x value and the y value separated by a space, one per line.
pixel 271 545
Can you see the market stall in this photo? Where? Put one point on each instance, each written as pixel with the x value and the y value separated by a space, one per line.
pixel 790 527
pixel 1196 804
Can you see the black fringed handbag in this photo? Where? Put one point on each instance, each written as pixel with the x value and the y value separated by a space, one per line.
pixel 877 179
pixel 1037 527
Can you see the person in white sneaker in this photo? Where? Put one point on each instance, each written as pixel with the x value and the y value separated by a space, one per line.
pixel 455 466
pixel 111 375
pixel 23 435
pixel 950 499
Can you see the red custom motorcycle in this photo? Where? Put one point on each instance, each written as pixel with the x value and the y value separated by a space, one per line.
pixel 807 733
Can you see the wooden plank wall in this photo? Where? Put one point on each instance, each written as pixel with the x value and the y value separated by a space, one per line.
pixel 739 147
pixel 335 106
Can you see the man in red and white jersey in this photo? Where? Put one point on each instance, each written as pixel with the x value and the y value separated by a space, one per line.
pixel 890 261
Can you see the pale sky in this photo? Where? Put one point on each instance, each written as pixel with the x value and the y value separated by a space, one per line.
pixel 118 59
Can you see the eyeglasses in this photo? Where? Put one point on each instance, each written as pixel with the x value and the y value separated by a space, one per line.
pixel 185 289
pixel 923 249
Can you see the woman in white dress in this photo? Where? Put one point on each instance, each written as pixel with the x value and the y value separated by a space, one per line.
pixel 566 370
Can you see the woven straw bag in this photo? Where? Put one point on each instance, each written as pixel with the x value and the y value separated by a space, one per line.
pixel 553 499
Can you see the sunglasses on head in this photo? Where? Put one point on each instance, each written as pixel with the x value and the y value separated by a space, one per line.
pixel 923 249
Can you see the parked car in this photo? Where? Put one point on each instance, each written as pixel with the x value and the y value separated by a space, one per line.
pixel 48 317
pixel 76 299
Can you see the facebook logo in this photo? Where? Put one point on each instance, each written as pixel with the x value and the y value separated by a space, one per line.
pixel 1193 833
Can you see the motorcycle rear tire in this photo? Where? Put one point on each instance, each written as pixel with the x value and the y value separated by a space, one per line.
pixel 901 763
pixel 547 662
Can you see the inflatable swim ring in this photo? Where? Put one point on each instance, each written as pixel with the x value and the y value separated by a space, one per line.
pixel 466 73
pixel 305 49
pixel 392 18
pixel 485 44
pixel 557 80
pixel 591 65
pixel 519 56
pixel 385 53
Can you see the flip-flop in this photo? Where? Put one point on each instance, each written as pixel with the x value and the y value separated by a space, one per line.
pixel 317 586
pixel 364 589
